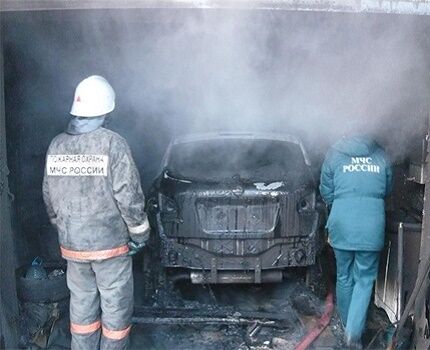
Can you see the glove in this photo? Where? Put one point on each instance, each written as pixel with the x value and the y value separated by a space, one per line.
pixel 134 247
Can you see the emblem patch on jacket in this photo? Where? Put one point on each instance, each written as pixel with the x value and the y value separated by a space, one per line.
pixel 361 164
pixel 77 165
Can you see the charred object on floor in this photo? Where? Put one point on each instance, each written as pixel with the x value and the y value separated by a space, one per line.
pixel 236 208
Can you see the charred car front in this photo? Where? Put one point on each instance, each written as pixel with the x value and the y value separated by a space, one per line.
pixel 236 208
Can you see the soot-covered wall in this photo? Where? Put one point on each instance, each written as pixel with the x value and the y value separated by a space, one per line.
pixel 317 75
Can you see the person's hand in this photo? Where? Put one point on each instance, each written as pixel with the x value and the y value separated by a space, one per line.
pixel 134 247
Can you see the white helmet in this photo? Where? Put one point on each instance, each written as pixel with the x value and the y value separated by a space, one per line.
pixel 94 97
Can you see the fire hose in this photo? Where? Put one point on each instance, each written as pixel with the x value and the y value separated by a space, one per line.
pixel 324 320
pixel 322 324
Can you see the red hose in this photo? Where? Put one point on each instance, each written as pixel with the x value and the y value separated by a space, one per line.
pixel 322 324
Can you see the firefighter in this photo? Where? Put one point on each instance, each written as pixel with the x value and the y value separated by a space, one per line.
pixel 94 198
pixel 355 179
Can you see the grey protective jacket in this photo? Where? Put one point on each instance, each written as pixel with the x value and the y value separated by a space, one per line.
pixel 93 195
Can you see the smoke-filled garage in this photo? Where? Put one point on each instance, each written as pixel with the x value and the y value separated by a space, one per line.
pixel 229 110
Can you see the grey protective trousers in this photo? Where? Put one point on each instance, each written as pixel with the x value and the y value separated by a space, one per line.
pixel 101 303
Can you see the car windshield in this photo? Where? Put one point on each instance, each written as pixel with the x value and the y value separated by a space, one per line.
pixel 248 160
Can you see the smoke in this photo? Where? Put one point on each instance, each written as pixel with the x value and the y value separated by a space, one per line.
pixel 179 72
pixel 315 75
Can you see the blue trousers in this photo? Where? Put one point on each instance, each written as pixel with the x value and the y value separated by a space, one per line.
pixel 356 274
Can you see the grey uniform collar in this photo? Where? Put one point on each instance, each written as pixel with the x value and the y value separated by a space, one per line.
pixel 78 126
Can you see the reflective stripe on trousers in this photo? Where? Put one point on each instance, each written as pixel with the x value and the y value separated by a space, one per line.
pixel 93 255
pixel 85 329
pixel 116 335
pixel 101 303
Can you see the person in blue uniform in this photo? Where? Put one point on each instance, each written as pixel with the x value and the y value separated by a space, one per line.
pixel 356 177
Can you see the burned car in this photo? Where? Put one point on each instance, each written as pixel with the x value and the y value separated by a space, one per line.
pixel 236 208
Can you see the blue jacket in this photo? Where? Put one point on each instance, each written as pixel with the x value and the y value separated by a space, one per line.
pixel 355 179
